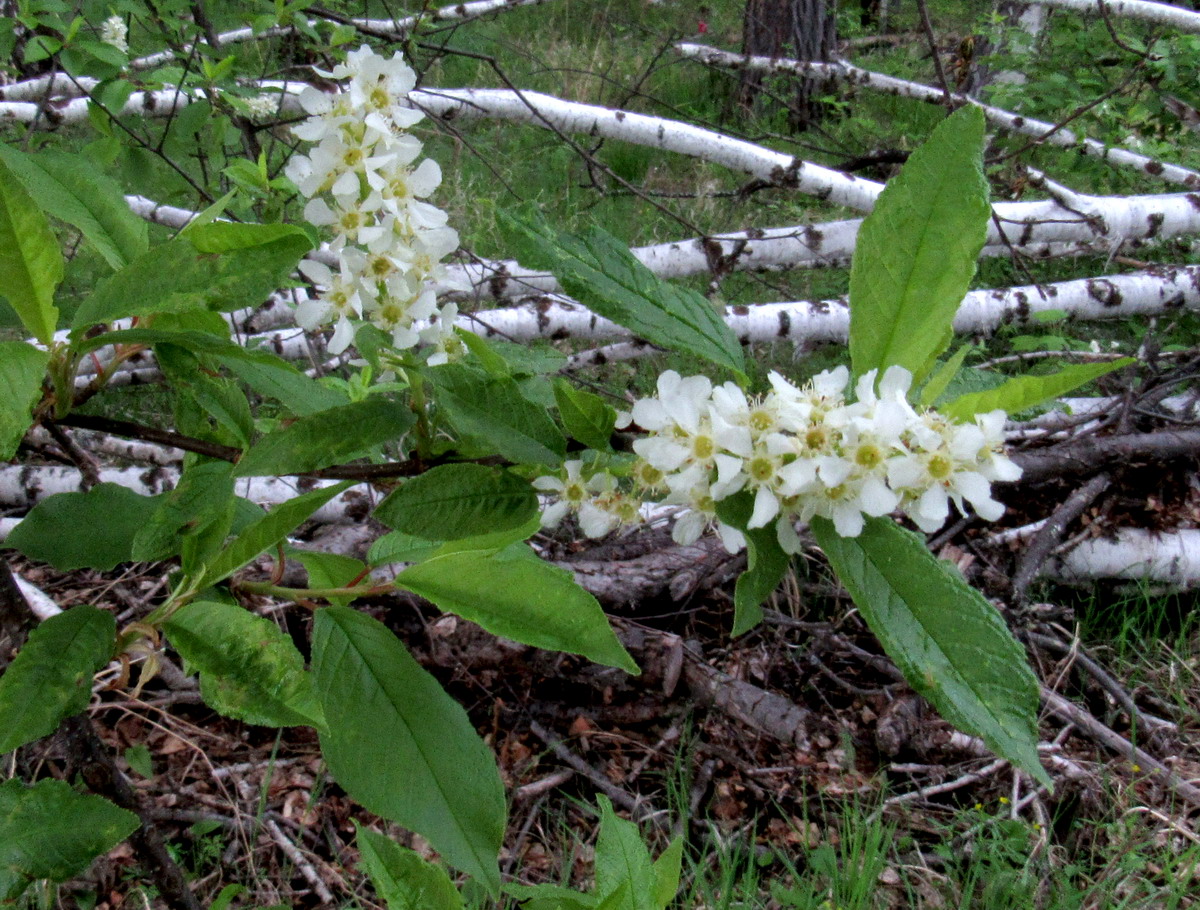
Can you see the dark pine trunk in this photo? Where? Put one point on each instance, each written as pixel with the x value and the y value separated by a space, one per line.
pixel 803 30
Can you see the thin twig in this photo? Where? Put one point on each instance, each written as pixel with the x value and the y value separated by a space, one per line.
pixel 1096 730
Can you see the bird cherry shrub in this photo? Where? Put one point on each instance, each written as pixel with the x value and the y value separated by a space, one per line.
pixel 477 434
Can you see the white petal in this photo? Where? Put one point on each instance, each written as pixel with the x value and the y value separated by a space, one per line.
pixel 847 520
pixel 554 513
pixel 766 507
pixel 875 497
pixel 688 528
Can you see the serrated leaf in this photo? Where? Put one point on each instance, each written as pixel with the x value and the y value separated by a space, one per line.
pixel 31 263
pixel 585 416
pixel 68 187
pixel 455 501
pixel 93 530
pixel 266 532
pixel 22 368
pixel 403 879
pixel 1022 392
pixel 249 669
pixel 216 267
pixel 514 594
pixel 600 272
pixel 494 410
pixel 623 862
pixel 916 252
pixel 50 679
pixel 951 644
pixel 326 438
pixel 400 746
pixel 766 562
pixel 50 831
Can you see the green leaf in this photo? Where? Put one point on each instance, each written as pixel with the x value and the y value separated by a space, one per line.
pixel 330 570
pixel 140 760
pixel 585 416
pixel 943 376
pixel 51 677
pixel 667 871
pixel 68 187
pixel 203 497
pixel 1022 392
pixel 22 368
pixel 600 272
pixel 494 410
pixel 397 546
pixel 215 266
pixel 515 594
pixel 400 746
pixel 766 562
pixel 549 897
pixel 454 501
pixel 50 831
pixel 326 438
pixel 916 252
pixel 402 878
pixel 249 669
pixel 622 861
pixel 266 532
pixel 93 530
pixel 31 264
pixel 951 644
pixel 263 371
pixel 268 375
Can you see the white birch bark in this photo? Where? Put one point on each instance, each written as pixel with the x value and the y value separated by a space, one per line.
pixel 23 486
pixel 1042 229
pixel 548 112
pixel 828 321
pixel 757 249
pixel 41 604
pixel 1017 123
pixel 391 28
pixel 1171 558
pixel 1161 13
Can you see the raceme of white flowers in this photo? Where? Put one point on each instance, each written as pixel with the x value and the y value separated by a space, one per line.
pixel 363 182
pixel 801 451
pixel 115 32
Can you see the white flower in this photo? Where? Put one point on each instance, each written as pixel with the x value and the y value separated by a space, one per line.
pixel 115 32
pixel 261 107
pixel 442 337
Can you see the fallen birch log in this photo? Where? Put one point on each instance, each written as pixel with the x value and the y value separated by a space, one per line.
pixel 549 112
pixel 1161 13
pixel 23 486
pixel 828 321
pixel 1044 132
pixel 1171 558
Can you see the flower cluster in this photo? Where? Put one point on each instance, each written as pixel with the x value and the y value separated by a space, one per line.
pixel 803 452
pixel 115 32
pixel 596 499
pixel 363 181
